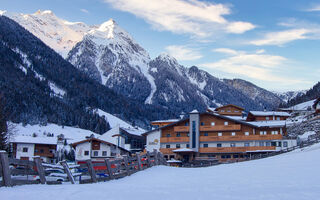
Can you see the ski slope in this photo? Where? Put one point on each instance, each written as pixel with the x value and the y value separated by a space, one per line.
pixel 291 176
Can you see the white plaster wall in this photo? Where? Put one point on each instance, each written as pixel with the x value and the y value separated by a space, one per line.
pixel 20 152
pixel 80 149
pixel 103 147
pixel 151 143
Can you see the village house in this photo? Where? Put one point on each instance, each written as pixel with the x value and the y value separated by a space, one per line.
pixel 26 147
pixel 219 136
pixel 96 149
pixel 267 116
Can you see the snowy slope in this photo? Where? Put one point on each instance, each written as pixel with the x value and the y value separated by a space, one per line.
pixel 71 134
pixel 115 121
pixel 292 176
pixel 303 106
pixel 59 34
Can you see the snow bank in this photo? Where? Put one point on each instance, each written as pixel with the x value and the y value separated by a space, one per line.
pixel 292 176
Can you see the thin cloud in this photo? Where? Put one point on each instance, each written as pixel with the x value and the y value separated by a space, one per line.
pixel 314 8
pixel 84 10
pixel 183 52
pixel 257 66
pixel 193 17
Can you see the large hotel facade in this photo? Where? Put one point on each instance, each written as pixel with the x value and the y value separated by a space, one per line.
pixel 222 134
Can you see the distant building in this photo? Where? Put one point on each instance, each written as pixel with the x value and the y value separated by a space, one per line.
pixel 96 149
pixel 212 135
pixel 267 116
pixel 26 147
pixel 316 105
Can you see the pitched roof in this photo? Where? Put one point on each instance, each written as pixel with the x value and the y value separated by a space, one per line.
pixel 34 140
pixel 269 113
pixel 95 139
pixel 240 108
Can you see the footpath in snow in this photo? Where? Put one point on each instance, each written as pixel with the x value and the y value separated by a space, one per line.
pixel 292 176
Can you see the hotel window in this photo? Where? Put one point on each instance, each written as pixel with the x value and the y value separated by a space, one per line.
pixel 267 118
pixel 278 118
pixel 228 110
pixel 168 135
pixel 232 144
pixel 186 124
pixel 212 123
pixel 264 132
pixel 95 153
pixel 272 132
pixel 268 144
pixel 104 153
pixel 178 135
pixel 219 145
pixel 246 133
pixel 219 134
pixel 233 133
pixel 261 144
pixel 25 149
pixel 168 146
pixel 226 123
pixel 205 134
pixel 285 144
pixel 247 144
pixel 274 144
pixel 202 123
pixel 41 151
pixel 235 156
pixel 188 145
pixel 276 132
pixel 261 132
pixel 205 145
pixel 177 145
pixel 86 153
pixel 171 157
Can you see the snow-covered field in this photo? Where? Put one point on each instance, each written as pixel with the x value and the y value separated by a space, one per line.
pixel 289 176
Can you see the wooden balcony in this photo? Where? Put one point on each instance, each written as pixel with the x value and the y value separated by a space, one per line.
pixel 167 150
pixel 181 129
pixel 236 127
pixel 174 139
pixel 235 149
pixel 50 155
pixel 240 138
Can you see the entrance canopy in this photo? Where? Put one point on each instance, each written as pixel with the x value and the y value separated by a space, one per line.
pixel 183 150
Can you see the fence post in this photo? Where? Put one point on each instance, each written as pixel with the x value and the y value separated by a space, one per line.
pixel 156 157
pixel 125 160
pixel 91 171
pixel 67 171
pixel 139 162
pixel 38 163
pixel 5 170
pixel 148 159
pixel 109 169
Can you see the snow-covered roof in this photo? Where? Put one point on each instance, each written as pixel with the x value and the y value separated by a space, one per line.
pixel 168 120
pixel 194 111
pixel 134 131
pixel 173 161
pixel 34 140
pixel 183 150
pixel 269 113
pixel 268 123
pixel 237 117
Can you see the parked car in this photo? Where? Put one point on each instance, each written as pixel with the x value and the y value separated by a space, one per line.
pixel 51 177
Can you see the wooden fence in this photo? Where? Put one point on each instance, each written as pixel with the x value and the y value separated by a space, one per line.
pixel 20 172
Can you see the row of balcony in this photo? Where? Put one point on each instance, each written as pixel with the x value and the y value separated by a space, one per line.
pixel 235 127
pixel 225 149
pixel 223 138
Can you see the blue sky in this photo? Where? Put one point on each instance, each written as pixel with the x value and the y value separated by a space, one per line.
pixel 274 44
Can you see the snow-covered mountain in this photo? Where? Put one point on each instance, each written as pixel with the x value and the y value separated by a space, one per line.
pixel 109 55
pixel 287 96
pixel 59 34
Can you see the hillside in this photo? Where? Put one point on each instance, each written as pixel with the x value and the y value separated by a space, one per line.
pixel 291 176
pixel 33 75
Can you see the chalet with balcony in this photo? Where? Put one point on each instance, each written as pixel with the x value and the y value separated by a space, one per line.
pixel 96 149
pixel 161 123
pixel 26 147
pixel 267 116
pixel 213 135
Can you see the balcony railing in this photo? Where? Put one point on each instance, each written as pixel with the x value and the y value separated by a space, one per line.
pixel 235 127
pixel 174 139
pixel 181 129
pixel 235 149
pixel 167 150
pixel 240 138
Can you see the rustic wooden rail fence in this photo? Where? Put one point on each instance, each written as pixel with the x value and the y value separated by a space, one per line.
pixel 20 172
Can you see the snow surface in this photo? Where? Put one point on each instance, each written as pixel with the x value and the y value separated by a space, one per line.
pixel 303 106
pixel 70 133
pixel 305 136
pixel 115 121
pixel 268 113
pixel 57 91
pixel 275 123
pixel 291 176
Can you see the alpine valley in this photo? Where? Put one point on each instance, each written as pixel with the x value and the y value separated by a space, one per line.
pixel 111 71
